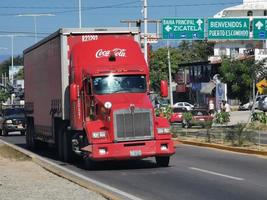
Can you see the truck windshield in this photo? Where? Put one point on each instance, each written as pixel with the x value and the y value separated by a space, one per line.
pixel 119 84
pixel 13 111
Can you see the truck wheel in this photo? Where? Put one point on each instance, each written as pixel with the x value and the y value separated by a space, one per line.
pixel 30 142
pixel 162 161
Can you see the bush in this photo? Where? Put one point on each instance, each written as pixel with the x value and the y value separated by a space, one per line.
pixel 239 136
pixel 164 111
pixel 261 117
pixel 222 117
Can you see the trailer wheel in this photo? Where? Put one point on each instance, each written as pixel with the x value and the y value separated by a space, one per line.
pixel 163 161
pixel 30 142
pixel 59 144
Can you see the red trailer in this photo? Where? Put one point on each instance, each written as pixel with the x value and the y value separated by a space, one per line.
pixel 87 93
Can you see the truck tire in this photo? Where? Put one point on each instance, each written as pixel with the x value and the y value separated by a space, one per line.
pixel 162 161
pixel 59 144
pixel 30 142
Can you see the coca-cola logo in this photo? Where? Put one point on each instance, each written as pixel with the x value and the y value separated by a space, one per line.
pixel 106 53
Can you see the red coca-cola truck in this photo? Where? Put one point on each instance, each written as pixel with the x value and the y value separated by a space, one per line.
pixel 87 94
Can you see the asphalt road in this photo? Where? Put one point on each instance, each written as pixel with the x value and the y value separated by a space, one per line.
pixel 195 173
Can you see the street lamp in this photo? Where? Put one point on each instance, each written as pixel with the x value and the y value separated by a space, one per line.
pixel 3 48
pixel 80 14
pixel 12 49
pixel 35 15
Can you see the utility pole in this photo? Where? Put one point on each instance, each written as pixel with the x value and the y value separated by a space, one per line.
pixel 80 14
pixel 12 50
pixel 170 73
pixel 35 15
pixel 145 29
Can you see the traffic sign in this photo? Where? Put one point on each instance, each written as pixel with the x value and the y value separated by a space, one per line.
pixel 228 28
pixel 260 28
pixel 261 85
pixel 183 29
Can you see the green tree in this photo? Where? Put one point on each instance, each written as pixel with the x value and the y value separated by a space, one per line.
pixel 4 66
pixel 185 52
pixel 3 95
pixel 239 76
pixel 20 74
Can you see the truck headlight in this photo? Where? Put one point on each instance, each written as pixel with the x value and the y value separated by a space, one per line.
pixel 9 121
pixel 99 134
pixel 163 130
pixel 108 105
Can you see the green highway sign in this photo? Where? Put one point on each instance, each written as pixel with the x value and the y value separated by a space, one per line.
pixel 183 29
pixel 260 28
pixel 228 28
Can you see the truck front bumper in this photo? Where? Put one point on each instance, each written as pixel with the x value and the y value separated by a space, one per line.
pixel 130 150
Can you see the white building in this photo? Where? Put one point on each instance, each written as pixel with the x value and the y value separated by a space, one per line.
pixel 251 9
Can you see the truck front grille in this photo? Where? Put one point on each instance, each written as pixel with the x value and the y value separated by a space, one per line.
pixel 135 125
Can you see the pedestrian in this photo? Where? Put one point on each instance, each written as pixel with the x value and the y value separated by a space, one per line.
pixel 227 107
pixel 222 106
pixel 211 107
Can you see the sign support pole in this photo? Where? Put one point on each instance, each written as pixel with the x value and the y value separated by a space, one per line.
pixel 170 73
pixel 145 29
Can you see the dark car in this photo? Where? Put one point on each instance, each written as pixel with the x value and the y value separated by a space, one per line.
pixel 12 119
pixel 199 118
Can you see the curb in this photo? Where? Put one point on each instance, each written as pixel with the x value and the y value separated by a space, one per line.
pixel 106 191
pixel 222 147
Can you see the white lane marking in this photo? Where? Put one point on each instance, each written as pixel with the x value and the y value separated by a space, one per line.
pixel 217 174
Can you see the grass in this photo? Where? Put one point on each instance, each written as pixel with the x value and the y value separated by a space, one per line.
pixel 12 154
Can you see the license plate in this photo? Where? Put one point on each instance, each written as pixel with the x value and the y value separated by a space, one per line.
pixel 135 153
pixel 19 126
pixel 202 119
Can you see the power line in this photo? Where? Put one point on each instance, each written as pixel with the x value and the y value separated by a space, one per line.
pixel 115 6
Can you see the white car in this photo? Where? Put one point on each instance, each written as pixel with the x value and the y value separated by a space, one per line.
pixel 186 105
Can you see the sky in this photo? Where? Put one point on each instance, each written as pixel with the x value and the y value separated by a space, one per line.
pixel 95 13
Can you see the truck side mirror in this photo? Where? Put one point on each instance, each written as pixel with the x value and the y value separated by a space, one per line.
pixel 74 92
pixel 164 88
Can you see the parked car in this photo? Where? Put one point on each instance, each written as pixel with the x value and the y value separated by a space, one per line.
pixel 248 106
pixel 199 118
pixel 177 115
pixel 263 104
pixel 12 119
pixel 186 105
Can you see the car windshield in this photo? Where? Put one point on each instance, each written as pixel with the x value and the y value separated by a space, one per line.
pixel 13 111
pixel 119 84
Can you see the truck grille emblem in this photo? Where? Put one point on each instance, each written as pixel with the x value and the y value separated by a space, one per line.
pixel 132 108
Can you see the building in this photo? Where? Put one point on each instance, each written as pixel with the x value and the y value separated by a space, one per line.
pixel 237 49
